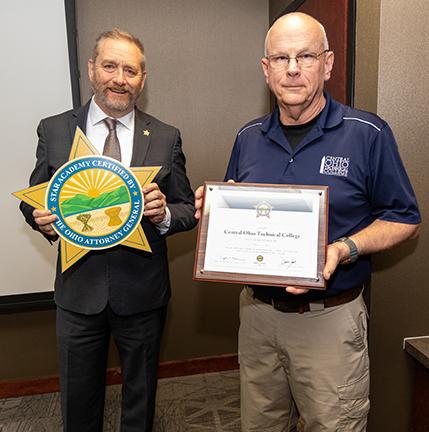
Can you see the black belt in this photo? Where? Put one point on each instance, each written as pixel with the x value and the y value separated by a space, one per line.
pixel 297 305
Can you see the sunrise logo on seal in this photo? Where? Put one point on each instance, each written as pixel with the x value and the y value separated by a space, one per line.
pixel 98 202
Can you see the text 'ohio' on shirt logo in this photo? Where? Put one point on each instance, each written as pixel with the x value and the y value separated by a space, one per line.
pixel 335 165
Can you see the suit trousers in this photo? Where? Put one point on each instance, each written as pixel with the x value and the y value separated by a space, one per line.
pixel 83 343
pixel 314 364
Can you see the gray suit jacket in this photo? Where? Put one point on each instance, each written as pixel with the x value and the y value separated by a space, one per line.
pixel 129 279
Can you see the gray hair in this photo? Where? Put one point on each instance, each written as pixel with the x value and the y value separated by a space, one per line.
pixel 118 34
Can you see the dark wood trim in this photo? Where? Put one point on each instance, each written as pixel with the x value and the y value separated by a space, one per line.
pixel 339 19
pixel 198 365
pixel 294 6
pixel 420 409
pixel 10 389
pixel 168 369
pixel 351 52
pixel 70 9
pixel 27 302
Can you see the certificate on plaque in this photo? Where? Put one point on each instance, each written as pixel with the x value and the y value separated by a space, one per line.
pixel 263 234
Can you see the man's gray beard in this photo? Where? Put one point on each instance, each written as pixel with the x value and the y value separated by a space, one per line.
pixel 115 106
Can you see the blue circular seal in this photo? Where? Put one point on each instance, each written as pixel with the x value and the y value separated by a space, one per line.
pixel 98 202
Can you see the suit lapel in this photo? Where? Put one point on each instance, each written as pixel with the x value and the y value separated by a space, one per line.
pixel 142 138
pixel 78 118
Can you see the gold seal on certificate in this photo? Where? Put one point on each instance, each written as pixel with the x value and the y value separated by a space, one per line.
pixel 263 234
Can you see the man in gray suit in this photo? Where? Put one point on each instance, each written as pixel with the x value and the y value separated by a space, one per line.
pixel 119 291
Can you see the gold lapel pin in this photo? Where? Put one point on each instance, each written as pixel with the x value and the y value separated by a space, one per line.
pixel 146 132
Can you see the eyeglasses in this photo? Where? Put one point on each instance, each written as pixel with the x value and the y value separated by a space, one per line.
pixel 282 61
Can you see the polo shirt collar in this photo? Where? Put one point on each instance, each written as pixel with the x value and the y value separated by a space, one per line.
pixel 331 116
pixel 332 113
pixel 273 128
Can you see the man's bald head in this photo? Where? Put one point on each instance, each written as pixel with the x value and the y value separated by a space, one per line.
pixel 296 21
pixel 296 65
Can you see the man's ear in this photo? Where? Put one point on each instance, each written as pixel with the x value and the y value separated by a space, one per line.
pixel 144 76
pixel 329 64
pixel 264 64
pixel 91 69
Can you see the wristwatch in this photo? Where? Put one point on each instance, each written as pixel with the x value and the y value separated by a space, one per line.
pixel 353 249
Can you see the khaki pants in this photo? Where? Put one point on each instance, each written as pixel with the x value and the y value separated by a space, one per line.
pixel 315 362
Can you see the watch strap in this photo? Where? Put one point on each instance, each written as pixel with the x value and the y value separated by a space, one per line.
pixel 354 254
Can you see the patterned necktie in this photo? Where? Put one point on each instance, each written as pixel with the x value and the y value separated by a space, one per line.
pixel 112 146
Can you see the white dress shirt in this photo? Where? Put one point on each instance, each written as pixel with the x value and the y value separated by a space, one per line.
pixel 97 131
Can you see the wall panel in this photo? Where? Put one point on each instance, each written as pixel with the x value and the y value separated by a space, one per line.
pixel 400 295
pixel 204 76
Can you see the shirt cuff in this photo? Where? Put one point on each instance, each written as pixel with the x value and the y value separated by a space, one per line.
pixel 164 225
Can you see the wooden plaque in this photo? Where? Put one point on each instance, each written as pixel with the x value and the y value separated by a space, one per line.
pixel 263 234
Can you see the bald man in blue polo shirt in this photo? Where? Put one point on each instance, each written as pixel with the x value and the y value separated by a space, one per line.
pixel 306 351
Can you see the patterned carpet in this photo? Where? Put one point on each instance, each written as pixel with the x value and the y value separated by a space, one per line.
pixel 196 403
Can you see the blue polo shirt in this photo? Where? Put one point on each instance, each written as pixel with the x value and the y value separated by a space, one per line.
pixel 351 151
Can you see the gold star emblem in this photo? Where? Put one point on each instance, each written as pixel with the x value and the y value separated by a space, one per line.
pixel 36 197
pixel 146 132
pixel 53 209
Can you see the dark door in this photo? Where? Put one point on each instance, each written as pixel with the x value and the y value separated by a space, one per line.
pixel 337 16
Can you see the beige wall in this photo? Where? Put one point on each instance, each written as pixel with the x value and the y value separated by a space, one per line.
pixel 203 77
pixel 366 54
pixel 400 295
pixel 27 345
pixel 391 78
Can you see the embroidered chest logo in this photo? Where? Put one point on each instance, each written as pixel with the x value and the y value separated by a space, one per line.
pixel 335 165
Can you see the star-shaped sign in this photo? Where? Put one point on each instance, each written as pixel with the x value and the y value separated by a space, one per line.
pixel 71 252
